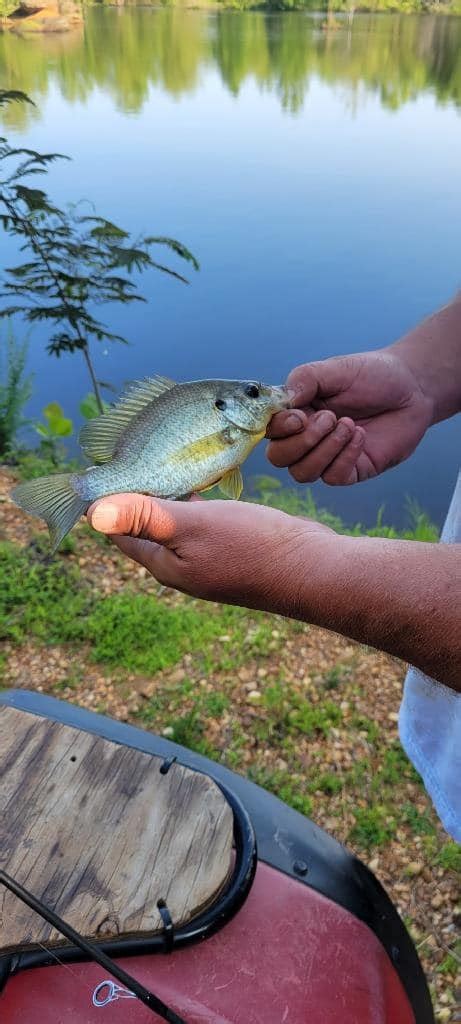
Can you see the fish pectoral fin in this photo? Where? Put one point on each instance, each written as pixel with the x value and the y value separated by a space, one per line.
pixel 230 434
pixel 99 437
pixel 231 484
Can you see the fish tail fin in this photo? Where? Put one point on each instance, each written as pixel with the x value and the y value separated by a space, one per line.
pixel 53 499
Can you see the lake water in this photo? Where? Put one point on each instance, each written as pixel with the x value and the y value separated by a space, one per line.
pixel 315 174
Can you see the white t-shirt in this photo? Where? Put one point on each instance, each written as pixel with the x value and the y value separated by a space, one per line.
pixel 430 720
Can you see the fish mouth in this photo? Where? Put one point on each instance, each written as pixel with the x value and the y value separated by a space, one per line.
pixel 285 396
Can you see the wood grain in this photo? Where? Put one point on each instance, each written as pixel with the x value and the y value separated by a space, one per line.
pixel 97 832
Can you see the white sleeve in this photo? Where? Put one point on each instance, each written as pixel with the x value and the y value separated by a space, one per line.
pixel 430 720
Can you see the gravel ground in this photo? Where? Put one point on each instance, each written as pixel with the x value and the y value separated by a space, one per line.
pixel 343 768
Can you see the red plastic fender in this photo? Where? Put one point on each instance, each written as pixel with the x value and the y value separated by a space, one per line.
pixel 290 956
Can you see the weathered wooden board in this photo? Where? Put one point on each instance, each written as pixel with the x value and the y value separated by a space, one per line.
pixel 96 831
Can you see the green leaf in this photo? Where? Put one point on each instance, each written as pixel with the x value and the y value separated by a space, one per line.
pixel 105 228
pixel 58 424
pixel 14 96
pixel 177 247
pixel 171 273
pixel 35 199
pixel 89 407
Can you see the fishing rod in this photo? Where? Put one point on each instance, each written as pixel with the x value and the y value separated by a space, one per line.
pixel 150 1000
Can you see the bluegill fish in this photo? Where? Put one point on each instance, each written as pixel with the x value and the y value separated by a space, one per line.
pixel 165 439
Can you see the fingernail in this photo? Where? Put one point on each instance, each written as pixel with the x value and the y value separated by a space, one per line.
pixel 294 423
pixel 343 432
pixel 104 517
pixel 326 420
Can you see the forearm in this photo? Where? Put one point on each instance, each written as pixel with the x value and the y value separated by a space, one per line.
pixel 402 597
pixel 432 350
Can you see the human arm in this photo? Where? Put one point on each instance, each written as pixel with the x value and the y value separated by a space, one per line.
pixel 402 597
pixel 384 402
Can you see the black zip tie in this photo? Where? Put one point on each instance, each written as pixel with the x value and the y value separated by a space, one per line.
pixel 148 998
pixel 168 926
pixel 165 767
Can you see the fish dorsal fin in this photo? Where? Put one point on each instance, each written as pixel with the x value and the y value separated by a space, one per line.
pixel 99 437
pixel 231 484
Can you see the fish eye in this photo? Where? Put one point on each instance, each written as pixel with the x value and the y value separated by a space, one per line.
pixel 252 391
pixel 220 403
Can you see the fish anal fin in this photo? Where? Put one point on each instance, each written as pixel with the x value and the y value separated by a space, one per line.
pixel 99 438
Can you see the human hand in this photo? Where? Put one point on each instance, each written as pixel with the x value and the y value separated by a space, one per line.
pixel 237 553
pixel 358 416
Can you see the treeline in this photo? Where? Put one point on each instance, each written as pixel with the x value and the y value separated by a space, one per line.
pixel 397 57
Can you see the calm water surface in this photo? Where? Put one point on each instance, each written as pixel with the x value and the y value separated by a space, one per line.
pixel 314 174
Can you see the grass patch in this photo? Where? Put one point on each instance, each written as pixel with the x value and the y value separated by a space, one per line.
pixel 450 857
pixel 299 501
pixel 337 677
pixel 48 599
pixel 318 718
pixel 365 725
pixel 45 600
pixel 34 463
pixel 277 782
pixel 329 783
pixel 419 823
pixel 373 827
pixel 451 963
pixel 141 633
pixel 188 730
pixel 214 704
pixel 293 713
pixel 360 773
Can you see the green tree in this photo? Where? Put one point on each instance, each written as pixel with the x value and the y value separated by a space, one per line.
pixel 6 8
pixel 76 261
pixel 15 391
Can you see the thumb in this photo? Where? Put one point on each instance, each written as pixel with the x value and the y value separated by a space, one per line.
pixel 303 381
pixel 137 515
pixel 320 380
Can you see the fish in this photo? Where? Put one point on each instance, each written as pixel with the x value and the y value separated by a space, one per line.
pixel 161 438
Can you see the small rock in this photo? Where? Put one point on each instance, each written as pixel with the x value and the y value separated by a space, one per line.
pixel 414 868
pixel 148 690
pixel 437 901
pixel 168 731
pixel 176 677
pixel 393 716
pixel 254 696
